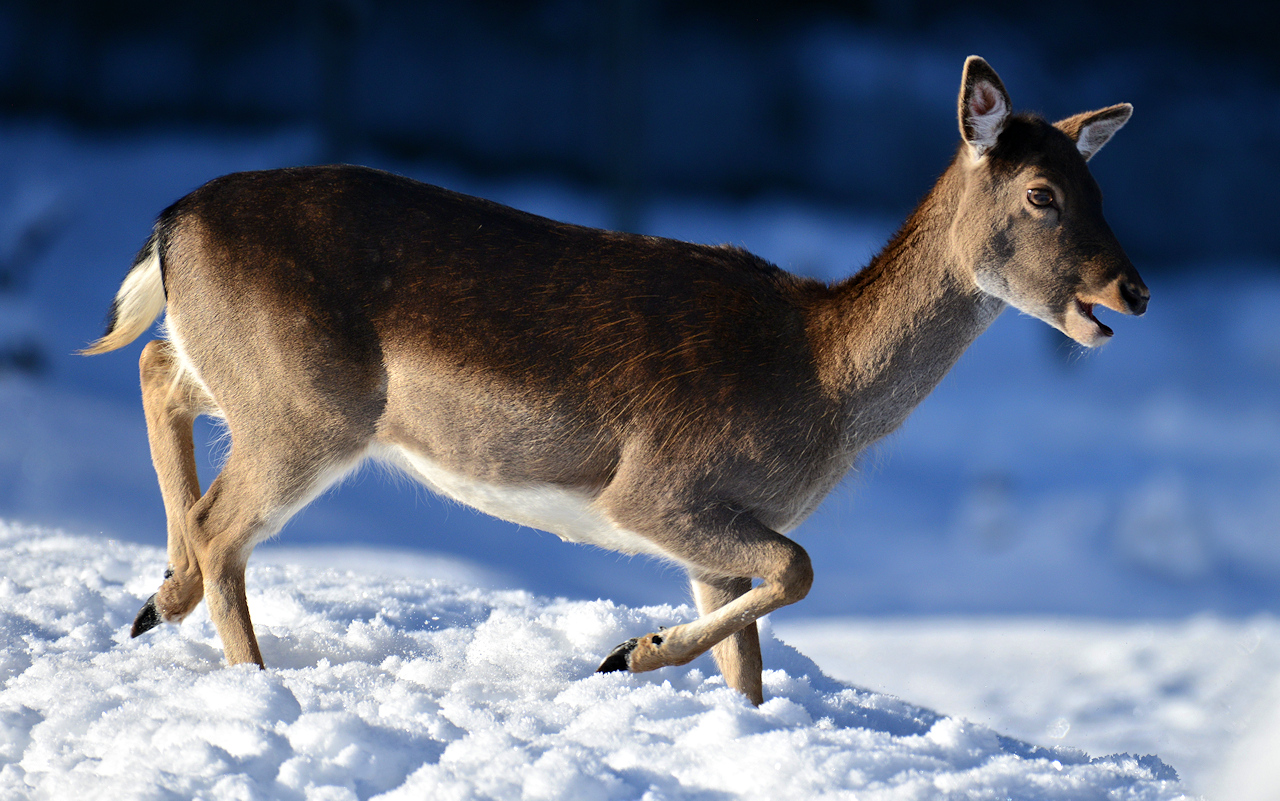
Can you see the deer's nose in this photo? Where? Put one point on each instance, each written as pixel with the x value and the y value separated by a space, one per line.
pixel 1135 295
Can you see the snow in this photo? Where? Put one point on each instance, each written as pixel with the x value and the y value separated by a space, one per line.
pixel 1066 550
pixel 1181 689
pixel 424 688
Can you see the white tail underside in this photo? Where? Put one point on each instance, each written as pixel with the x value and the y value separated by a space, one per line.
pixel 138 302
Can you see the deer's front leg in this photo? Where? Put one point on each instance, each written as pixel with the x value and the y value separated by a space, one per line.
pixel 722 547
pixel 738 655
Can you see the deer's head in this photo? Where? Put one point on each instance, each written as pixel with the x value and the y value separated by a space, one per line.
pixel 1030 222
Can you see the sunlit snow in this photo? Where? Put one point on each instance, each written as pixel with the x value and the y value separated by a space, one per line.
pixel 413 688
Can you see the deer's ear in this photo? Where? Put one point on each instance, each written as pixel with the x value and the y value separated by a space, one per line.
pixel 984 105
pixel 1093 129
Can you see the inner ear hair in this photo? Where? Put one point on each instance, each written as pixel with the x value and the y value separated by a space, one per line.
pixel 1091 130
pixel 984 105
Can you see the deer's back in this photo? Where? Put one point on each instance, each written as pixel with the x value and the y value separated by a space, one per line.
pixel 487 335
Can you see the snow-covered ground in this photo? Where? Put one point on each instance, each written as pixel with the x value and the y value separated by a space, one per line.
pixel 1072 550
pixel 1192 691
pixel 417 688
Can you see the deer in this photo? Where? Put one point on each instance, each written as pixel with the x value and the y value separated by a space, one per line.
pixel 689 402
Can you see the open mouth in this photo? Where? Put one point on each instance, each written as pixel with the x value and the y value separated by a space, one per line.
pixel 1086 311
pixel 1080 324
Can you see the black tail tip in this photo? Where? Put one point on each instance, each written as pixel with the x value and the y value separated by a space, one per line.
pixel 148 618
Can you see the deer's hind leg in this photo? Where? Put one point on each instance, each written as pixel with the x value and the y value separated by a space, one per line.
pixel 171 402
pixel 280 459
pixel 272 471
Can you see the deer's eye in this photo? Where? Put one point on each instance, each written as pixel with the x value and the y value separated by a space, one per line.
pixel 1040 197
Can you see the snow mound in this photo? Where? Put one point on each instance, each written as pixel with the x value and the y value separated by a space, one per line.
pixel 413 688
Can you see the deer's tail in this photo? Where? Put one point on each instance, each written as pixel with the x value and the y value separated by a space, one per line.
pixel 139 301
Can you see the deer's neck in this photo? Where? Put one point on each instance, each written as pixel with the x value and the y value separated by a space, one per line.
pixel 888 334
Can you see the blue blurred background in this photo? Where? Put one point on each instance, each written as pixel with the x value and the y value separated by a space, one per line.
pixel 846 102
pixel 1142 480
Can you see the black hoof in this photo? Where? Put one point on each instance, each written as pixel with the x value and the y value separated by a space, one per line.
pixel 619 657
pixel 148 618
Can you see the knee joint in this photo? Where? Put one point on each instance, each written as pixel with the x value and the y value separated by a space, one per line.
pixel 797 576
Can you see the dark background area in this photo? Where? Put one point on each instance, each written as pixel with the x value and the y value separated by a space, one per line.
pixel 850 104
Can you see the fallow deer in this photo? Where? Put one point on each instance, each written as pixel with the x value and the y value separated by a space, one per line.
pixel 690 402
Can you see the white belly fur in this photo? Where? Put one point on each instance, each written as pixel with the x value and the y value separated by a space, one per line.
pixel 572 516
